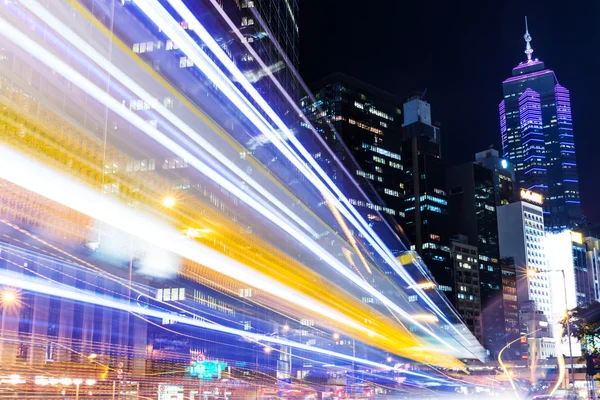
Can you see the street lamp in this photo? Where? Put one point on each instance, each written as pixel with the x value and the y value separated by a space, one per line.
pixel 336 336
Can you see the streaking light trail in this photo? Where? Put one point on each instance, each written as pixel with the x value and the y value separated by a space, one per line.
pixel 68 73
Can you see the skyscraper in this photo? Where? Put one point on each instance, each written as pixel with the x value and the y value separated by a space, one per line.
pixel 367 124
pixel 472 203
pixel 537 136
pixel 425 197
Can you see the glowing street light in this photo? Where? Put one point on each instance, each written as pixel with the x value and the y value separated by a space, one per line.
pixel 286 328
pixel 169 202
pixel 9 296
pixel 531 273
pixel 268 350
pixel 336 336
pixel 388 359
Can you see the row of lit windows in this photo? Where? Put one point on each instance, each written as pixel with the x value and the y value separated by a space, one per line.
pixel 366 127
pixel 381 151
pixel 391 192
pixel 376 207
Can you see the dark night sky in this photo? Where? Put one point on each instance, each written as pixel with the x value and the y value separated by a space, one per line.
pixel 461 51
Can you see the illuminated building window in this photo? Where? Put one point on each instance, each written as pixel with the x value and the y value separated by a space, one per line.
pixel 170 294
pixel 246 292
pixel 247 325
pixel 307 322
pixel 412 298
pixel 435 237
pixel 185 62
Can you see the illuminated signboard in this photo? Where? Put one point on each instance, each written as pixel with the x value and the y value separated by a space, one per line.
pixel 207 369
pixel 576 237
pixel 170 392
pixel 532 196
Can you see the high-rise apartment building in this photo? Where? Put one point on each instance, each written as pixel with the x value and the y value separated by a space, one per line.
pixel 537 136
pixel 467 300
pixel 472 204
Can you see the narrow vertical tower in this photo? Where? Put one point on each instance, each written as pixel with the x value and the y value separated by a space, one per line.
pixel 537 136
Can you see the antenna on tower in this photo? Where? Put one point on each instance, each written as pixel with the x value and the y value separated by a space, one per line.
pixel 527 37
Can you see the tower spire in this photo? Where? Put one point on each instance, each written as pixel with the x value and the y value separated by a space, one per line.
pixel 527 37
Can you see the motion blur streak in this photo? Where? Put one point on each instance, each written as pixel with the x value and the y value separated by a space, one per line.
pixel 40 53
pixel 39 179
pixel 193 51
pixel 41 287
pixel 70 36
pixel 173 30
pixel 170 223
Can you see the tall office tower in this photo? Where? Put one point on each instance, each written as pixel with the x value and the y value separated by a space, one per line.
pixel 504 174
pixel 425 199
pixel 521 237
pixel 466 289
pixel 472 205
pixel 537 136
pixel 367 124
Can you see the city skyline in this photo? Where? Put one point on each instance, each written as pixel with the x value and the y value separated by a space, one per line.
pixel 461 56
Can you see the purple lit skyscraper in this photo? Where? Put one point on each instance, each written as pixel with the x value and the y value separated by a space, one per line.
pixel 537 136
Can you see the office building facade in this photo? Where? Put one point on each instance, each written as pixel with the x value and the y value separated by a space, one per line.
pixel 537 136
pixel 425 206
pixel 521 236
pixel 366 138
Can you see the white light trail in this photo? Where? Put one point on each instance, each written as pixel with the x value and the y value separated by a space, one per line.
pixel 173 30
pixel 70 74
pixel 39 179
pixel 39 52
pixel 163 19
pixel 36 8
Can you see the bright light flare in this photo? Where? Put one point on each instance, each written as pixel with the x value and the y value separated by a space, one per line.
pixel 169 202
pixel 423 285
pixel 9 297
pixel 426 317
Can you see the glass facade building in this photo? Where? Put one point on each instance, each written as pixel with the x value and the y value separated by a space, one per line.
pixel 537 137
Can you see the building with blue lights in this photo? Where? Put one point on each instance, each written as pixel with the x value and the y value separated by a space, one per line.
pixel 537 136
